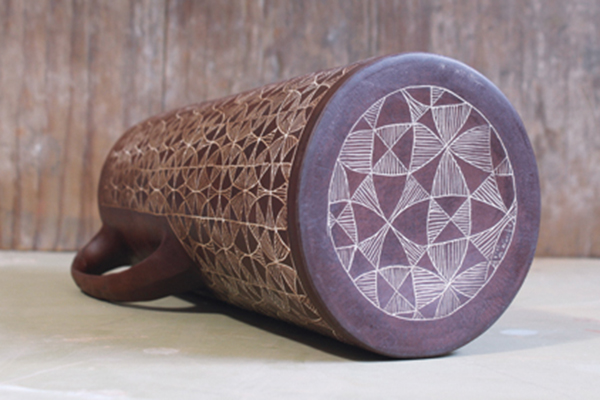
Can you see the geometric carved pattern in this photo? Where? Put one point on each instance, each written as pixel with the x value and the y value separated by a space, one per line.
pixel 219 171
pixel 422 203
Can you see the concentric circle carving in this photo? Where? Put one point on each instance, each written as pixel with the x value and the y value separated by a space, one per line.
pixel 422 203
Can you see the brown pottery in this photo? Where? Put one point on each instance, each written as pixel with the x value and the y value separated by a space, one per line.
pixel 393 204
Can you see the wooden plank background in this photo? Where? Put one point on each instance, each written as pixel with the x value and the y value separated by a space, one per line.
pixel 75 74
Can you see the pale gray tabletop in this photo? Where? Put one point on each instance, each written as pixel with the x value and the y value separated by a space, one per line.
pixel 57 343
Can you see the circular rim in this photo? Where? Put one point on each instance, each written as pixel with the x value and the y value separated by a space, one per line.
pixel 351 314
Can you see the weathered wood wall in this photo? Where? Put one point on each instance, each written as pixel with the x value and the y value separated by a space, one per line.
pixel 75 74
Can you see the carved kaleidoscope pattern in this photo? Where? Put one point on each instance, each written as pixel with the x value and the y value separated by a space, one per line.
pixel 220 173
pixel 422 203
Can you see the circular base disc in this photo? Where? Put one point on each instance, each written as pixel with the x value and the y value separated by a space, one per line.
pixel 418 206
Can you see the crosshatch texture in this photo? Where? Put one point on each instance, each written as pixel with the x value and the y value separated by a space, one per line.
pixel 219 171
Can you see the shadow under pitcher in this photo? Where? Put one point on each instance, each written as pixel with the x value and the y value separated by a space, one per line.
pixel 393 204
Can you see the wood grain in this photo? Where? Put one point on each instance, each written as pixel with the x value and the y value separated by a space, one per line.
pixel 75 74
